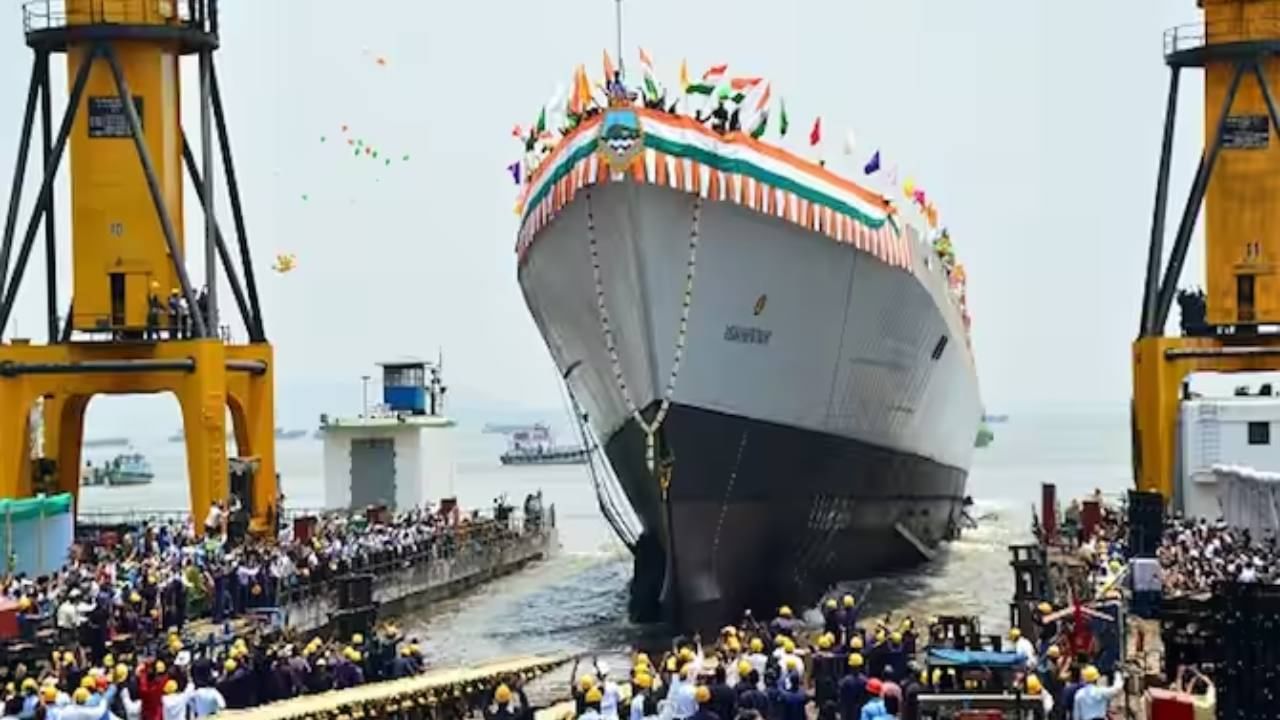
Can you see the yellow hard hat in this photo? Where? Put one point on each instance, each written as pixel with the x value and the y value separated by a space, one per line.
pixel 81 696
pixel 824 642
pixel 734 645
pixel 642 659
pixel 357 639
pixel 1054 652
pixel 109 660
pixel 1014 633
pixel 586 682
pixel 895 637
pixel 671 664
pixel 855 660
pixel 122 672
pixel 856 642
pixel 24 603
pixel 170 687
pixel 1044 608
pixel 686 655
pixel 702 694
pixel 229 666
pixel 847 601
pixel 357 656
pixel 757 645
pixel 643 681
pixel 1033 685
pixel 68 658
pixel 880 635
pixel 502 695
pixel 29 684
pixel 831 603
pixel 924 677
pixel 594 695
pixel 744 668
pixel 1089 674
pixel 135 598
pixel 406 651
pixel 788 645
pixel 785 611
pixel 88 683
pixel 159 667
pixel 49 693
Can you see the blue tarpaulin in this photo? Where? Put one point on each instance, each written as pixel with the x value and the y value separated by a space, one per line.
pixel 976 658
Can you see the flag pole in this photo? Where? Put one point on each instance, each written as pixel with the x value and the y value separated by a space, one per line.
pixel 618 27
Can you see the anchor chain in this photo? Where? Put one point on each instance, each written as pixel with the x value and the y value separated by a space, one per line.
pixel 650 429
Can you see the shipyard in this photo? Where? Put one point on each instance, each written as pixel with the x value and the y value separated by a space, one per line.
pixel 639 360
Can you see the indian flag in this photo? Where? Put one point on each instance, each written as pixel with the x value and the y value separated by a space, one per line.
pixel 710 80
pixel 650 80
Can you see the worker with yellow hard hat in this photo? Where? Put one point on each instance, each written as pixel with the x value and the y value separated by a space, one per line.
pixel 1093 700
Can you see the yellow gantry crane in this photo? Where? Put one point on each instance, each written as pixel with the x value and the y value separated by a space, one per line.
pixel 119 333
pixel 1234 327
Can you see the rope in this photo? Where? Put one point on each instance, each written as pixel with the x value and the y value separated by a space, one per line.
pixel 649 429
pixel 724 504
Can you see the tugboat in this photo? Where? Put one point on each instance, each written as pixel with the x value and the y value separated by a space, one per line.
pixel 534 446
pixel 126 469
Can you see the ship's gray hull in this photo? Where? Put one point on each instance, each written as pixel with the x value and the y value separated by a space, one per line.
pixel 825 401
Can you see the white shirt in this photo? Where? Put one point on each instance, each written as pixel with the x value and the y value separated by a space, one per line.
pixel 207 701
pixel 80 712
pixel 609 700
pixel 637 706
pixel 1024 648
pixel 132 708
pixel 67 617
pixel 174 705
pixel 213 521
pixel 683 697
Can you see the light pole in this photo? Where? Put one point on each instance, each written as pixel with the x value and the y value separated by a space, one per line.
pixel 364 392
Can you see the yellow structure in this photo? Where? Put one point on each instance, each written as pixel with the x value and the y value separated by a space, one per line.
pixel 136 323
pixel 1239 182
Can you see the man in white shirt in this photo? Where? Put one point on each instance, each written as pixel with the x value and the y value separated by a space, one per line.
pixel 67 616
pixel 1023 647
pixel 610 695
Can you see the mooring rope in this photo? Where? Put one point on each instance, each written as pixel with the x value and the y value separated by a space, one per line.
pixel 649 429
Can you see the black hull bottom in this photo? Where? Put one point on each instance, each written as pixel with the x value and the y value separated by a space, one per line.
pixel 761 514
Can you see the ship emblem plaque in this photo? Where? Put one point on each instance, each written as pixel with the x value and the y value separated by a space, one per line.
pixel 621 138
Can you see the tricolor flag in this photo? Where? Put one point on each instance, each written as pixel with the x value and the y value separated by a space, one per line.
pixel 650 81
pixel 684 76
pixel 710 79
pixel 514 169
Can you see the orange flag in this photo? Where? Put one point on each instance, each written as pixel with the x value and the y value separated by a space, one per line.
pixel 584 87
pixel 608 68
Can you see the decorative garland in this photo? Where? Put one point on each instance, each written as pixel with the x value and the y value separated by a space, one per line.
pixel 650 429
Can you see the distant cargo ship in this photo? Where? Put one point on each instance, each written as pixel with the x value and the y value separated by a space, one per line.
pixel 533 445
pixel 282 434
pixel 106 442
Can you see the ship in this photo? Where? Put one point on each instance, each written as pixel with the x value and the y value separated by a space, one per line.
pixel 125 469
pixel 106 442
pixel 534 445
pixel 775 359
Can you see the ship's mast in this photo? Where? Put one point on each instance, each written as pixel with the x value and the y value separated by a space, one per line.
pixel 618 24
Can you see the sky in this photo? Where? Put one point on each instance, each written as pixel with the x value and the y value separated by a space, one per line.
pixel 1035 126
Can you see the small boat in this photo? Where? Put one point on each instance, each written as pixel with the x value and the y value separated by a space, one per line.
pixel 533 445
pixel 107 442
pixel 282 434
pixel 126 469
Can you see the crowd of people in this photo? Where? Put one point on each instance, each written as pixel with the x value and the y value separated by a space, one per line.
pixel 163 574
pixel 176 682
pixel 1196 554
pixel 846 670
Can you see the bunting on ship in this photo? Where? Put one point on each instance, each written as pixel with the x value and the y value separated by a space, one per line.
pixel 641 145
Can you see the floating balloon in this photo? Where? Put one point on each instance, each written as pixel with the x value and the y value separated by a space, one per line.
pixel 350 141
pixel 344 128
pixel 382 61
pixel 387 161
pixel 322 138
pixel 405 158
pixel 305 197
pixel 285 262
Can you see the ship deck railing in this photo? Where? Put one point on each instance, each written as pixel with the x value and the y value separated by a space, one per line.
pixel 41 15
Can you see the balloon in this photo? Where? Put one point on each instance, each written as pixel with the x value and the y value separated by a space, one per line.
pixel 909 187
pixel 387 161
pixel 350 141
pixel 357 152
pixel 305 197
pixel 405 158
pixel 382 61
pixel 344 128
pixel 322 138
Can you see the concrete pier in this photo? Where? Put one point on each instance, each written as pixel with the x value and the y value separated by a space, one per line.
pixel 407 586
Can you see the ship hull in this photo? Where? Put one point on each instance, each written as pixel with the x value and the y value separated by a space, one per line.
pixel 822 410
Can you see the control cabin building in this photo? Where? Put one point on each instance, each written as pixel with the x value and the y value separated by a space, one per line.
pixel 398 454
